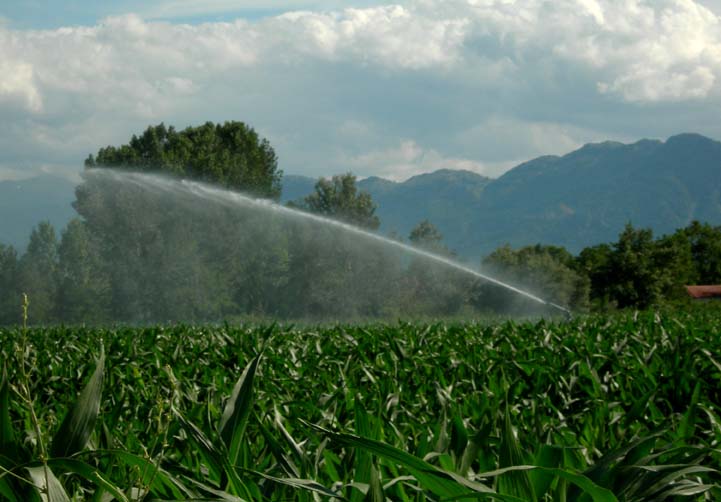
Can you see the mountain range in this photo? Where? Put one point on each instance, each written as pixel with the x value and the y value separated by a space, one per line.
pixel 575 200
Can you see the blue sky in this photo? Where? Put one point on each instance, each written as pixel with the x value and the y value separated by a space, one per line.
pixel 50 14
pixel 377 88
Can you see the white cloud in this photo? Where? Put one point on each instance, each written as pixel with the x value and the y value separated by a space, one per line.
pixel 11 174
pixel 503 137
pixel 171 9
pixel 408 159
pixel 628 45
pixel 17 85
pixel 15 173
pixel 647 85
pixel 423 84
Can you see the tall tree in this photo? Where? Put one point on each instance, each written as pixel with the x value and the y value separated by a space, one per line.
pixel 340 199
pixel 674 262
pixel 9 294
pixel 426 235
pixel 38 273
pixel 545 271
pixel 635 279
pixel 430 288
pixel 594 262
pixel 167 256
pixel 83 282
pixel 334 273
pixel 230 154
pixel 705 242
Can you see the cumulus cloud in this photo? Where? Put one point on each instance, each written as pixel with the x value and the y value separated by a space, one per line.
pixel 408 159
pixel 17 85
pixel 501 138
pixel 388 89
pixel 171 9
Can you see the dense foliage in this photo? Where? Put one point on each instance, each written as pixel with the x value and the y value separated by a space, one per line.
pixel 339 198
pixel 230 154
pixel 605 408
pixel 180 261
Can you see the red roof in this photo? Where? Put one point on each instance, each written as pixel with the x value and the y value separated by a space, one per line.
pixel 704 291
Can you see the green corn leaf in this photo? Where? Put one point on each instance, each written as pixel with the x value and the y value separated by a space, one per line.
pixel 237 410
pixel 6 488
pixel 158 480
pixel 547 456
pixel 597 493
pixel 330 461
pixel 603 470
pixel 670 477
pixel 688 422
pixel 459 437
pixel 303 484
pixel 363 459
pixel 79 422
pixel 217 459
pixel 442 483
pixel 375 490
pixel 300 456
pixel 7 436
pixel 47 487
pixel 515 483
pixel 89 473
pixel 212 456
pixel 688 490
pixel 278 452
pixel 219 494
pixel 639 406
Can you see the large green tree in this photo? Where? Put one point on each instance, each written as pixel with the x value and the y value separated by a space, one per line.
pixel 705 244
pixel 594 262
pixel 643 271
pixel 38 273
pixel 429 287
pixel 545 271
pixel 425 235
pixel 339 198
pixel 170 256
pixel 634 277
pixel 83 281
pixel 230 154
pixel 9 294
pixel 335 273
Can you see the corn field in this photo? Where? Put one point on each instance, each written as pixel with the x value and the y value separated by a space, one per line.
pixel 619 408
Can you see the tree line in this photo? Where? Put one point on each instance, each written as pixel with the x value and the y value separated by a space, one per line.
pixel 139 255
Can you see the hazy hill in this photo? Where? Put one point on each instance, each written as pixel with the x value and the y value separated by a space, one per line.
pixel 579 199
pixel 296 187
pixel 444 197
pixel 24 204
pixel 587 196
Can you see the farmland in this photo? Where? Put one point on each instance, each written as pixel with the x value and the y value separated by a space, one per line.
pixel 622 407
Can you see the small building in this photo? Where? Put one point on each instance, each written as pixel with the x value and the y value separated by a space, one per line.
pixel 704 292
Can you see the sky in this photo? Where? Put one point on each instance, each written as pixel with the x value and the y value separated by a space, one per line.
pixel 374 88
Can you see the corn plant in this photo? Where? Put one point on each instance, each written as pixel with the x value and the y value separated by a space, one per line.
pixel 600 408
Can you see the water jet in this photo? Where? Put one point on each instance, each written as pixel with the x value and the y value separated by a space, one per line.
pixel 234 199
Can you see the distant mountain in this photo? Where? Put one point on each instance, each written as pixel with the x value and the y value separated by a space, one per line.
pixel 579 199
pixel 587 196
pixel 296 187
pixel 444 197
pixel 24 204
